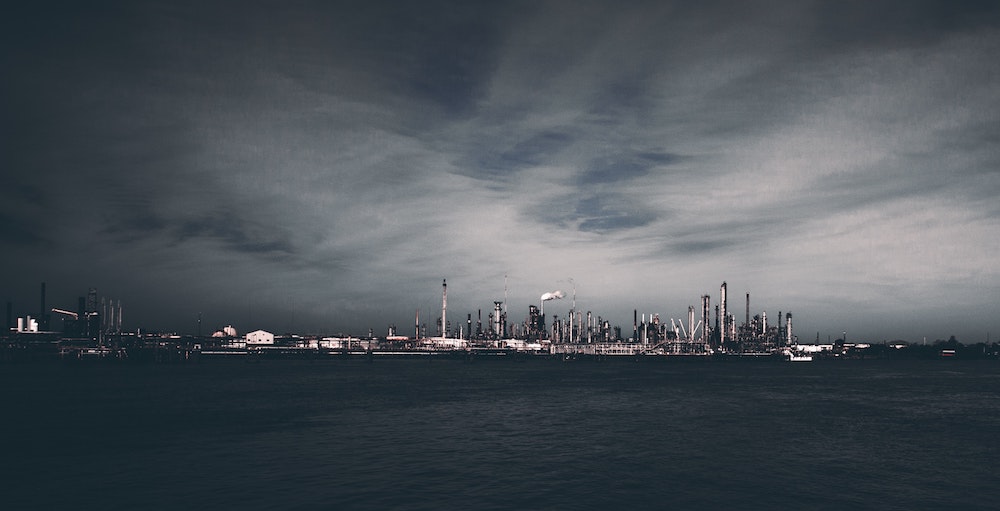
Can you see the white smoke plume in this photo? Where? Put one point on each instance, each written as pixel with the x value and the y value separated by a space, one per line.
pixel 555 295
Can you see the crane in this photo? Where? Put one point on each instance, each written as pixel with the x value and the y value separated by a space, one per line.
pixel 677 332
pixel 694 330
pixel 66 312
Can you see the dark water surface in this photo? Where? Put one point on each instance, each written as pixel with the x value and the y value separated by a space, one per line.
pixel 536 434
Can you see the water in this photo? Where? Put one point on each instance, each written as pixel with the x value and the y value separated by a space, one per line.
pixel 537 434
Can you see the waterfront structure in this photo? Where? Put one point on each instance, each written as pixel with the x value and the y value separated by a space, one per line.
pixel 576 332
pixel 259 338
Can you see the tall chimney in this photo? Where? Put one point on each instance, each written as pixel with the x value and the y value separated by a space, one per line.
pixel 43 318
pixel 748 310
pixel 781 329
pixel 691 325
pixel 705 316
pixel 722 313
pixel 788 329
pixel 635 324
pixel 718 332
pixel 444 308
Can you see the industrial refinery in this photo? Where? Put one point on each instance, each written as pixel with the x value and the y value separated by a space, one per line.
pixel 700 332
pixel 95 330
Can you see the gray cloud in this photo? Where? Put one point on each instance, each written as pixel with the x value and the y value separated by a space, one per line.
pixel 699 247
pixel 529 151
pixel 338 160
pixel 593 213
pixel 625 167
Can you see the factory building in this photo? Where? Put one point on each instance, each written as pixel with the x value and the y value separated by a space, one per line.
pixel 259 337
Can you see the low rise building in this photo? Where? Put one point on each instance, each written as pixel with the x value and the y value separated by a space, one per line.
pixel 259 337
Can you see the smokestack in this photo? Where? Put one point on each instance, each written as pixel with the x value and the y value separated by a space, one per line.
pixel 691 325
pixel 788 329
pixel 722 313
pixel 704 316
pixel 748 310
pixel 444 308
pixel 498 319
pixel 554 295
pixel 718 333
pixel 781 329
pixel 42 316
pixel 590 327
pixel 635 324
pixel 111 317
pixel 505 294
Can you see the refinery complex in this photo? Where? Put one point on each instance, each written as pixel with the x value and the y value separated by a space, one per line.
pixel 95 331
pixel 699 333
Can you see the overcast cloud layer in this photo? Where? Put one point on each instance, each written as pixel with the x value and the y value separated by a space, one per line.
pixel 320 168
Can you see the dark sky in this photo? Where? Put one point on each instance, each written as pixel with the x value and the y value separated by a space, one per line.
pixel 321 166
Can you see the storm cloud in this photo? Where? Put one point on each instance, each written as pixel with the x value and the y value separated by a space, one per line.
pixel 322 166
